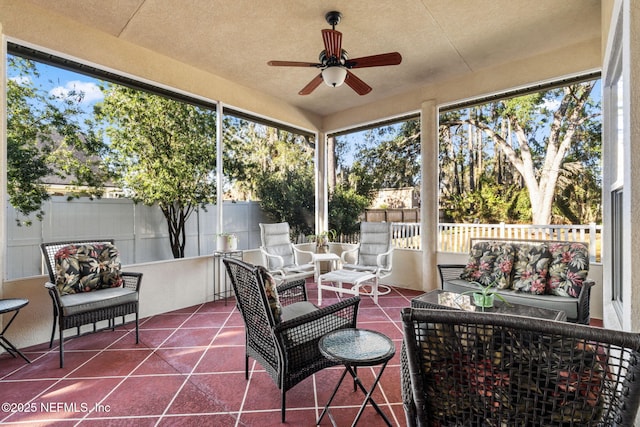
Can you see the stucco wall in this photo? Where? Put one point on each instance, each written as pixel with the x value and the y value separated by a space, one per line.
pixel 166 286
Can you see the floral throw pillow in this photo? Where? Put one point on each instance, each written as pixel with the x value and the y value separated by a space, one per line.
pixel 568 269
pixel 490 263
pixel 271 290
pixel 530 268
pixel 85 268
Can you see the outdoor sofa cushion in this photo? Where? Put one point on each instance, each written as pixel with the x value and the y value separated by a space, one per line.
pixel 271 290
pixel 568 269
pixel 531 267
pixel 87 267
pixel 558 268
pixel 90 301
pixel 553 302
pixel 490 263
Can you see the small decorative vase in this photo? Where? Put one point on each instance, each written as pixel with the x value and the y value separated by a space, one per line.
pixel 322 246
pixel 227 242
pixel 484 301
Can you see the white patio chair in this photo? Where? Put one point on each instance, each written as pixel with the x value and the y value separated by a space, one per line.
pixel 373 254
pixel 280 256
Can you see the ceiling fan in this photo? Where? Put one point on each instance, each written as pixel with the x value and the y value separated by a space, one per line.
pixel 335 64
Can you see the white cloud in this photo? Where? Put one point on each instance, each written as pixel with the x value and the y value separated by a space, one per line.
pixel 551 104
pixel 21 80
pixel 91 92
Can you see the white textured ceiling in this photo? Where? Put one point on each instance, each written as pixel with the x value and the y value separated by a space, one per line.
pixel 438 39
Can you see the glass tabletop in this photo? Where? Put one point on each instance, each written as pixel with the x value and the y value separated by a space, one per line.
pixel 358 347
pixel 11 304
pixel 444 299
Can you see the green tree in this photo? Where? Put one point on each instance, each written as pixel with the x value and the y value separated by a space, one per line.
pixel 164 151
pixel 345 208
pixel 46 136
pixel 541 142
pixel 289 197
pixel 276 167
pixel 389 158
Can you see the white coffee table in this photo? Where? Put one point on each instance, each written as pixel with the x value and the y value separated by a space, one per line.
pixel 333 260
pixel 355 278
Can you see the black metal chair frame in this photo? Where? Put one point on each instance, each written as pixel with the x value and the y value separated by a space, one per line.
pixel 109 313
pixel 288 350
pixel 485 369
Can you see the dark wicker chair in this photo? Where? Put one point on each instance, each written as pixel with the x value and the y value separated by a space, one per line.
pixel 76 310
pixel 483 369
pixel 288 350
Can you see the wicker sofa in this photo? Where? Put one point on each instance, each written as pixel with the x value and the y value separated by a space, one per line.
pixel 540 273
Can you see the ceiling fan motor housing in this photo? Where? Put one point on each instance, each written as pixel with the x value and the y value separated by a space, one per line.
pixel 333 18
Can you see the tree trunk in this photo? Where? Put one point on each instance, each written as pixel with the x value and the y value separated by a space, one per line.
pixel 566 120
pixel 331 164
pixel 176 217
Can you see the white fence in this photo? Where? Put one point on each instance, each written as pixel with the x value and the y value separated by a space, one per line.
pixel 456 237
pixel 140 232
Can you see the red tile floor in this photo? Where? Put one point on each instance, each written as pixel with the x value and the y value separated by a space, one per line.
pixel 188 369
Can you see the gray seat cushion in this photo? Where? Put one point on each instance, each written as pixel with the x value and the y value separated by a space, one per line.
pixel 297 309
pixel 567 304
pixel 89 301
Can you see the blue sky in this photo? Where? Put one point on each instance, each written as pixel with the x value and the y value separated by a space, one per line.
pixel 59 82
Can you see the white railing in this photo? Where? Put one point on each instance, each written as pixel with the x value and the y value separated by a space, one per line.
pixel 456 237
pixel 406 235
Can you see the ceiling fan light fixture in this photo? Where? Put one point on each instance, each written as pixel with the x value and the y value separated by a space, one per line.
pixel 334 76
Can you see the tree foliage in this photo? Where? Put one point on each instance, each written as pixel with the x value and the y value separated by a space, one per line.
pixel 345 208
pixel 164 152
pixel 545 143
pixel 384 157
pixel 276 167
pixel 47 136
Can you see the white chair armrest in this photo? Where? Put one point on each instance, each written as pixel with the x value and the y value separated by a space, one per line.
pixel 267 257
pixel 297 252
pixel 343 256
pixel 379 260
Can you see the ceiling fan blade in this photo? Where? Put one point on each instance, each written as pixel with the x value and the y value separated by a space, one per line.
pixel 332 43
pixel 310 87
pixel 293 64
pixel 356 84
pixel 392 58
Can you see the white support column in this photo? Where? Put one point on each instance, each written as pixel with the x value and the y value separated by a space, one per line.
pixel 429 194
pixel 219 165
pixel 3 166
pixel 322 203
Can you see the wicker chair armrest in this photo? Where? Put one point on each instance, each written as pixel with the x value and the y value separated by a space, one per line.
pixel 449 271
pixel 584 301
pixel 54 292
pixel 131 280
pixel 294 291
pixel 320 322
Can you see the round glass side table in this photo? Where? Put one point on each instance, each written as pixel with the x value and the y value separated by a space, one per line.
pixel 354 347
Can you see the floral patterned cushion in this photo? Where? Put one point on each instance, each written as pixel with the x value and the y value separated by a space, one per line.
pixel 271 290
pixel 530 268
pixel 85 268
pixel 490 263
pixel 568 269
